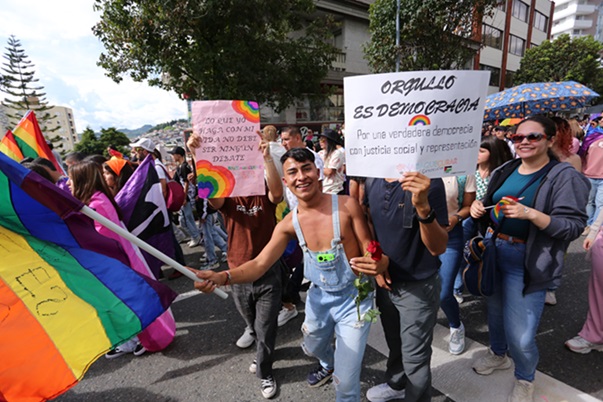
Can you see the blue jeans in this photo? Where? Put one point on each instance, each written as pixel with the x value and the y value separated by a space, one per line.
pixel 329 313
pixel 595 200
pixel 212 237
pixel 186 214
pixel 513 317
pixel 449 269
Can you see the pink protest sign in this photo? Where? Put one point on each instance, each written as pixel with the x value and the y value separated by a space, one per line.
pixel 229 162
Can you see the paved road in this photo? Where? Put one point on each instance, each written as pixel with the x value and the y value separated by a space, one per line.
pixel 203 363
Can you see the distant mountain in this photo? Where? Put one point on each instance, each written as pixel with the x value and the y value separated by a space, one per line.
pixel 136 133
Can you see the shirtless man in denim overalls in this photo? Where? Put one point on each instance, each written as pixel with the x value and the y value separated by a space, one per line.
pixel 333 233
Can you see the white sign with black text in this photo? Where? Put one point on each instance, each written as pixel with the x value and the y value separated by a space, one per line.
pixel 425 121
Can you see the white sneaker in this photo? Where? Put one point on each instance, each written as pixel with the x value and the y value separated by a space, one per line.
pixel 194 242
pixel 383 392
pixel 224 257
pixel 253 367
pixel 523 391
pixel 268 387
pixel 487 364
pixel 550 299
pixel 246 340
pixel 456 345
pixel 285 315
pixel 459 298
pixel 209 265
pixel 580 345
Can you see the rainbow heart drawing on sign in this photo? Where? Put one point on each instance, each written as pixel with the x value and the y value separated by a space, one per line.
pixel 419 120
pixel 497 214
pixel 248 109
pixel 214 181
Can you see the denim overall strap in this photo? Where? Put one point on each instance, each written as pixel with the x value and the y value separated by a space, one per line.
pixel 335 216
pixel 298 231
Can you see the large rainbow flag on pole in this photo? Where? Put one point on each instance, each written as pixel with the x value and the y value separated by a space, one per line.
pixel 31 141
pixel 67 295
pixel 9 147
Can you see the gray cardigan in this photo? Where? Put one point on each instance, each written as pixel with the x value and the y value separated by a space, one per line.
pixel 562 194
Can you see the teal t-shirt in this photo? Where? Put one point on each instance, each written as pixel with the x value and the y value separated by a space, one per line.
pixel 511 187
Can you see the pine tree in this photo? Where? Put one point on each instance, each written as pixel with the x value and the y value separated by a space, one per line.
pixel 20 85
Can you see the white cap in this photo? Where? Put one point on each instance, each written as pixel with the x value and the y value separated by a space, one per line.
pixel 145 144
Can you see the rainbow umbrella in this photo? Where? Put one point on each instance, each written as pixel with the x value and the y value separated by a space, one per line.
pixel 541 97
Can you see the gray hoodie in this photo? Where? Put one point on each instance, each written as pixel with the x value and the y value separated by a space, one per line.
pixel 562 194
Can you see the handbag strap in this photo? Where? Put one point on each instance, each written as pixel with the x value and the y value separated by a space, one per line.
pixel 532 180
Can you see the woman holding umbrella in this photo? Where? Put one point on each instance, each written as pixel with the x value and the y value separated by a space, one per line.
pixel 540 207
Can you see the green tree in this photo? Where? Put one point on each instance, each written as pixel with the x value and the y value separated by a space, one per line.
pixel 110 136
pixel 89 144
pixel 564 59
pixel 19 83
pixel 434 34
pixel 263 50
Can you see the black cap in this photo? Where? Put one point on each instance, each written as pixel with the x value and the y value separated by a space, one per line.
pixel 331 135
pixel 177 150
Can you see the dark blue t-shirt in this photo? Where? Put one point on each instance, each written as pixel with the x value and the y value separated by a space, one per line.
pixel 409 258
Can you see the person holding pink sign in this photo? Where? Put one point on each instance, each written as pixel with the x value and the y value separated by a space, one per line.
pixel 250 222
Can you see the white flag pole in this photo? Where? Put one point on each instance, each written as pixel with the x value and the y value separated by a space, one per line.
pixel 89 212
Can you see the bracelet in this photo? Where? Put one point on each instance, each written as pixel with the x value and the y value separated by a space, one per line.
pixel 228 278
pixel 269 160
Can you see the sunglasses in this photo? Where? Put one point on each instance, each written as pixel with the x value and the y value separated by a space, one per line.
pixel 532 138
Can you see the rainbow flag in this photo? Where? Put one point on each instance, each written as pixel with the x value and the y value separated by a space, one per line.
pixel 31 141
pixel 67 295
pixel 9 147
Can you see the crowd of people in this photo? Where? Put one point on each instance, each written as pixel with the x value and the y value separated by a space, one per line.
pixel 544 175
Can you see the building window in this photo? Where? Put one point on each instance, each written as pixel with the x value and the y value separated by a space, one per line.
pixel 577 32
pixel 520 10
pixel 502 5
pixel 517 46
pixel 491 36
pixel 509 76
pixel 494 74
pixel 541 22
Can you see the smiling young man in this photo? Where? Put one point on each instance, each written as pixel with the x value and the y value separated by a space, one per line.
pixel 330 229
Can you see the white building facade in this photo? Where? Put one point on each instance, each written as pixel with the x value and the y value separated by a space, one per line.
pixel 578 18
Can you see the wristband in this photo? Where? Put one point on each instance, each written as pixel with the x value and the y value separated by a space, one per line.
pixel 429 218
pixel 228 278
pixel 459 217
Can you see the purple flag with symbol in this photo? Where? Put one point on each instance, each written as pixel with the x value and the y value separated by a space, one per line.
pixel 144 212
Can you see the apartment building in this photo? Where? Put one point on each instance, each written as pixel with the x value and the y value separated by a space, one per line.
pixel 352 33
pixel 66 128
pixel 63 120
pixel 578 18
pixel 514 27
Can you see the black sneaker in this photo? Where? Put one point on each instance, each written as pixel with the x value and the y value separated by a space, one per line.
pixel 268 387
pixel 112 354
pixel 139 351
pixel 319 377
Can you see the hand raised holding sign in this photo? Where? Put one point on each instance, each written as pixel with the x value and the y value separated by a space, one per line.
pixel 418 185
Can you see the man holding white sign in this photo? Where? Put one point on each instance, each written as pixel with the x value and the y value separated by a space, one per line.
pixel 417 125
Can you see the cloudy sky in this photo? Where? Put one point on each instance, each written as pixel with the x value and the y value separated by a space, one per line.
pixel 57 37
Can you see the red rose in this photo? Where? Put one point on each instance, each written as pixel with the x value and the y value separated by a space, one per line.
pixel 374 248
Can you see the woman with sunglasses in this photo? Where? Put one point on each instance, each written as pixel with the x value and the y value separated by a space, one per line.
pixel 540 205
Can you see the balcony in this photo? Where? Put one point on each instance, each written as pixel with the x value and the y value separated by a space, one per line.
pixel 339 62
